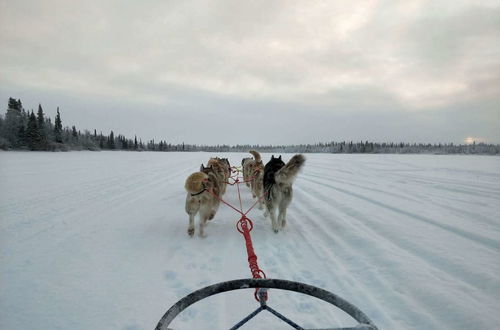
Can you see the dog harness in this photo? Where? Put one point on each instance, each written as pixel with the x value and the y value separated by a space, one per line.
pixel 202 191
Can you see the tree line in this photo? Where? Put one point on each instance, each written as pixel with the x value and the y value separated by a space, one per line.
pixel 27 130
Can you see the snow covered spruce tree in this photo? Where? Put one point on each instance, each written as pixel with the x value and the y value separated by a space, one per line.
pixel 42 131
pixel 58 128
pixel 13 123
pixel 33 138
pixel 111 141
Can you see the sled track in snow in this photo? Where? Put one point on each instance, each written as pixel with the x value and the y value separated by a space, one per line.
pixel 410 240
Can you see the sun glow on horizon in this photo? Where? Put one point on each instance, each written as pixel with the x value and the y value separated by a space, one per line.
pixel 472 139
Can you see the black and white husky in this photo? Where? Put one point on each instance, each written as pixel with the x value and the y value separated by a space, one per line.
pixel 278 180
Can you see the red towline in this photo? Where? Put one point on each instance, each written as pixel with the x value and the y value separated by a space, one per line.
pixel 245 226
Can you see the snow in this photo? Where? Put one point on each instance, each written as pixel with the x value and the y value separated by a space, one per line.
pixel 97 240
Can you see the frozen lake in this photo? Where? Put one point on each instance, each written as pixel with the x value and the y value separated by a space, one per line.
pixel 97 240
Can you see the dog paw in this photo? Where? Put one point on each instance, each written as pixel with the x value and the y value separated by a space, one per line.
pixel 191 232
pixel 211 216
pixel 275 230
pixel 203 235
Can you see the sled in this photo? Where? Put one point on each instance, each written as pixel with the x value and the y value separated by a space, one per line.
pixel 262 285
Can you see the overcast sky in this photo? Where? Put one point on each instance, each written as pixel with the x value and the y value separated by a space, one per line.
pixel 277 72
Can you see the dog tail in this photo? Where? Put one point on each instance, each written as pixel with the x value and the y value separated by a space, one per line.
pixel 256 155
pixel 288 172
pixel 194 182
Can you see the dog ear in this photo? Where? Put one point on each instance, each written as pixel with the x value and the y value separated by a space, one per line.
pixel 279 157
pixel 272 157
pixel 202 167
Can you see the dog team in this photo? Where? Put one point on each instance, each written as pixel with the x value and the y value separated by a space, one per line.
pixel 270 184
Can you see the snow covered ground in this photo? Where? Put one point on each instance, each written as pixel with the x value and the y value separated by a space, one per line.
pixel 97 240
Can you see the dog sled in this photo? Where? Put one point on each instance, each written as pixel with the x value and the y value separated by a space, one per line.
pixel 262 285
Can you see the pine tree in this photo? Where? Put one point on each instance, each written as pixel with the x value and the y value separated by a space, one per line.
pixel 101 141
pixel 21 136
pixel 13 122
pixel 111 140
pixel 40 116
pixel 74 133
pixel 43 143
pixel 124 143
pixel 58 128
pixel 33 133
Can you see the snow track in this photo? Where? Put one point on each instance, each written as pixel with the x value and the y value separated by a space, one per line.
pixel 97 240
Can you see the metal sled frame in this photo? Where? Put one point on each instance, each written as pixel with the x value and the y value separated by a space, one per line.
pixel 262 285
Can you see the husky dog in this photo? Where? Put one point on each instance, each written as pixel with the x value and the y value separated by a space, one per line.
pixel 198 199
pixel 227 166
pixel 278 180
pixel 222 172
pixel 245 166
pixel 253 171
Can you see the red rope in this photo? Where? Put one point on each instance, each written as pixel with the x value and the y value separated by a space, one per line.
pixel 236 178
pixel 242 226
pixel 239 197
pixel 245 226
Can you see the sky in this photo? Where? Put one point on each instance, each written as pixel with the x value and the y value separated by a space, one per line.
pixel 258 72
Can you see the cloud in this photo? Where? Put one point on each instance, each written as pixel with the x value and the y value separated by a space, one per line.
pixel 337 57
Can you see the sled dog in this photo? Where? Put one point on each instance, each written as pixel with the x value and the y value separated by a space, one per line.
pixel 245 167
pixel 227 166
pixel 199 200
pixel 222 171
pixel 253 171
pixel 278 180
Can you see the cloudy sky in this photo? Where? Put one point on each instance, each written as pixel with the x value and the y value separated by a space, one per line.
pixel 277 72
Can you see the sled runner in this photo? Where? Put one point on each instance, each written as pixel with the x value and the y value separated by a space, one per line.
pixel 262 285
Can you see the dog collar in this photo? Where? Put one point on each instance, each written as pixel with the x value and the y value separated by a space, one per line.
pixel 199 192
pixel 202 191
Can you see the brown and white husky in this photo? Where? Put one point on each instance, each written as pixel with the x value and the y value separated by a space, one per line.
pixel 202 190
pixel 222 169
pixel 253 174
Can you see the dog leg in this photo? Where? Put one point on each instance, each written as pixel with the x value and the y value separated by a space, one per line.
pixel 191 225
pixel 192 207
pixel 282 208
pixel 205 213
pixel 274 222
pixel 260 195
pixel 215 207
pixel 266 208
pixel 203 222
pixel 282 216
pixel 272 213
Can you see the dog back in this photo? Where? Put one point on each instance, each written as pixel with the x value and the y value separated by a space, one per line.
pixel 273 166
